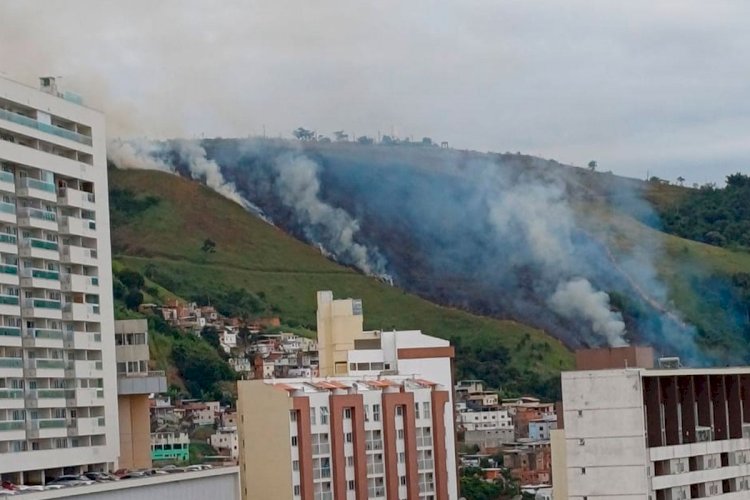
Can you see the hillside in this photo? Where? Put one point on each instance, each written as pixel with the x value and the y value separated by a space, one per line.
pixel 164 239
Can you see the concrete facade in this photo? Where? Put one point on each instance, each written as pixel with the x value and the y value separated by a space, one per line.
pixel 659 434
pixel 58 410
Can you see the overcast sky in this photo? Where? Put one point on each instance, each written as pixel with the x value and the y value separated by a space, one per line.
pixel 640 86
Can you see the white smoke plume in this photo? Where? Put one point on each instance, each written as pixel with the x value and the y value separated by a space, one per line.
pixel 143 154
pixel 332 229
pixel 140 154
pixel 576 299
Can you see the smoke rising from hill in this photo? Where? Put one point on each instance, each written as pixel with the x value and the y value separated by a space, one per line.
pixel 495 234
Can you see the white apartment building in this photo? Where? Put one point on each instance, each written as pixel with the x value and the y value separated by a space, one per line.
pixel 58 386
pixel 484 419
pixel 658 434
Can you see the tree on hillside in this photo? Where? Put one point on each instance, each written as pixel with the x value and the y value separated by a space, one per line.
pixel 131 279
pixel 303 134
pixel 341 136
pixel 209 246
pixel 211 334
pixel 426 141
pixel 681 180
pixel 365 140
pixel 387 139
pixel 592 165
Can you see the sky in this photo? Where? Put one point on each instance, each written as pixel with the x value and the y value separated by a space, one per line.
pixel 642 87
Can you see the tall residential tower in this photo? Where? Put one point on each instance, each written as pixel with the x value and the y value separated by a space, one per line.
pixel 58 384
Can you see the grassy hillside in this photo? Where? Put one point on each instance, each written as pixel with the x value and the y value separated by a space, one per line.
pixel 164 240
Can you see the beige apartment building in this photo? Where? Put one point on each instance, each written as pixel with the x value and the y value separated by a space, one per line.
pixel 379 424
pixel 135 383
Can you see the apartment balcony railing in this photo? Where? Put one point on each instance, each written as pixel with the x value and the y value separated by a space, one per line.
pixel 8 269
pixel 11 362
pixel 48 423
pixel 8 238
pixel 7 177
pixel 40 333
pixel 41 273
pixel 9 300
pixel 44 127
pixel 41 244
pixel 8 208
pixel 53 393
pixel 11 393
pixel 72 307
pixel 30 182
pixel 10 331
pixel 50 364
pixel 11 425
pixel 36 213
pixel 43 303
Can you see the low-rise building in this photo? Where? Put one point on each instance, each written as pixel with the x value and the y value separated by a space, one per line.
pixel 225 441
pixel 541 428
pixel 170 446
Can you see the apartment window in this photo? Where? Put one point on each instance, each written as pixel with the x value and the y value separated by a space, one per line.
pixel 295 465
pixel 376 413
pixel 402 480
pixel 583 471
pixel 294 440
pixel 401 457
pixel 293 415
pixel 324 415
pixel 416 410
pixel 313 417
pixel 297 491
pixel 373 440
pixel 400 434
pixel 350 485
pixel 426 409
pixel 320 444
pixel 321 467
pixel 347 413
pixel 348 437
pixel 399 411
pixel 350 461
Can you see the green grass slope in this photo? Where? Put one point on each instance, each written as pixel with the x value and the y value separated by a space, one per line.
pixel 167 237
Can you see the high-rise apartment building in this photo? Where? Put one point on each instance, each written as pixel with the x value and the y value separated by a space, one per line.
pixel 378 424
pixel 58 385
pixel 658 434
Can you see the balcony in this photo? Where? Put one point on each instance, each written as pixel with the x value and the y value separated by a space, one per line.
pixel 10 336
pixel 75 311
pixel 83 340
pixel 8 212
pixel 7 182
pixel 47 398
pixel 37 337
pixel 45 127
pixel 85 369
pixel 37 218
pixel 38 248
pixel 79 283
pixel 45 368
pixel 12 430
pixel 40 278
pixel 79 255
pixel 36 188
pixel 11 367
pixel 9 305
pixel 11 399
pixel 47 428
pixel 141 383
pixel 86 426
pixel 86 397
pixel 78 227
pixel 70 197
pixel 8 243
pixel 42 308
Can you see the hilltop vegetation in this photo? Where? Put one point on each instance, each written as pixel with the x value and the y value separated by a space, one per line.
pixel 717 216
pixel 163 239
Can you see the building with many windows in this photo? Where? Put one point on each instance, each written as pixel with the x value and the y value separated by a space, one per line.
pixel 379 425
pixel 660 434
pixel 58 386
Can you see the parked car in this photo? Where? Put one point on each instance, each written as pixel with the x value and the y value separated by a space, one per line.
pixel 99 477
pixel 133 474
pixel 172 469
pixel 71 480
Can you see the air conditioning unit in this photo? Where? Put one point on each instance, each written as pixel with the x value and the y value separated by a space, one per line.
pixel 703 434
